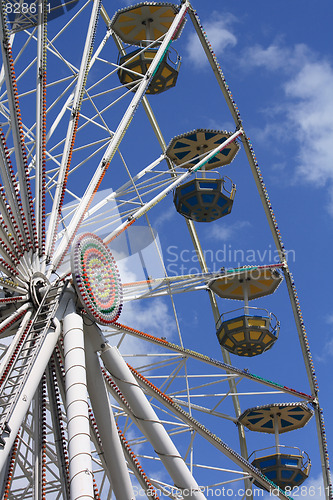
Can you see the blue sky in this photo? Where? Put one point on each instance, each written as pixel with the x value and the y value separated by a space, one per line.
pixel 277 59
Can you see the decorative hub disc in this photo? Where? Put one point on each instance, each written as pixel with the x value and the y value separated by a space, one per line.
pixel 96 278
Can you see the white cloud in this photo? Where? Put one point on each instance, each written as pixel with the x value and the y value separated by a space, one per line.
pixel 329 348
pixel 223 233
pixel 276 56
pixel 330 203
pixel 149 315
pixel 329 319
pixel 270 58
pixel 218 33
pixel 327 351
pixel 165 217
pixel 221 124
pixel 312 117
pixel 305 112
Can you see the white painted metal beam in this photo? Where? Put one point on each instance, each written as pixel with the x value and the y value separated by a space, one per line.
pixel 116 139
pixel 78 427
pixel 113 452
pixel 148 421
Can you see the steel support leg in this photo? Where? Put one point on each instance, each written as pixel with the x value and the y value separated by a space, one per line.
pixel 79 449
pixel 148 421
pixel 113 452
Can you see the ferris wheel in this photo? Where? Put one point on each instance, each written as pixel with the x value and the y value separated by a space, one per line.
pixel 92 403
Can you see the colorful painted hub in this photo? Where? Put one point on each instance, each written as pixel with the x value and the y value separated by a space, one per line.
pixel 96 278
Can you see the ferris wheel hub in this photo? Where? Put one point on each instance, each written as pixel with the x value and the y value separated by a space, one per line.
pixel 37 286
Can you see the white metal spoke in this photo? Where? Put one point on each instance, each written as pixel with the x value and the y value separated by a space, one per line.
pixel 71 131
pixel 18 135
pixel 80 466
pixel 41 124
pixel 115 141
